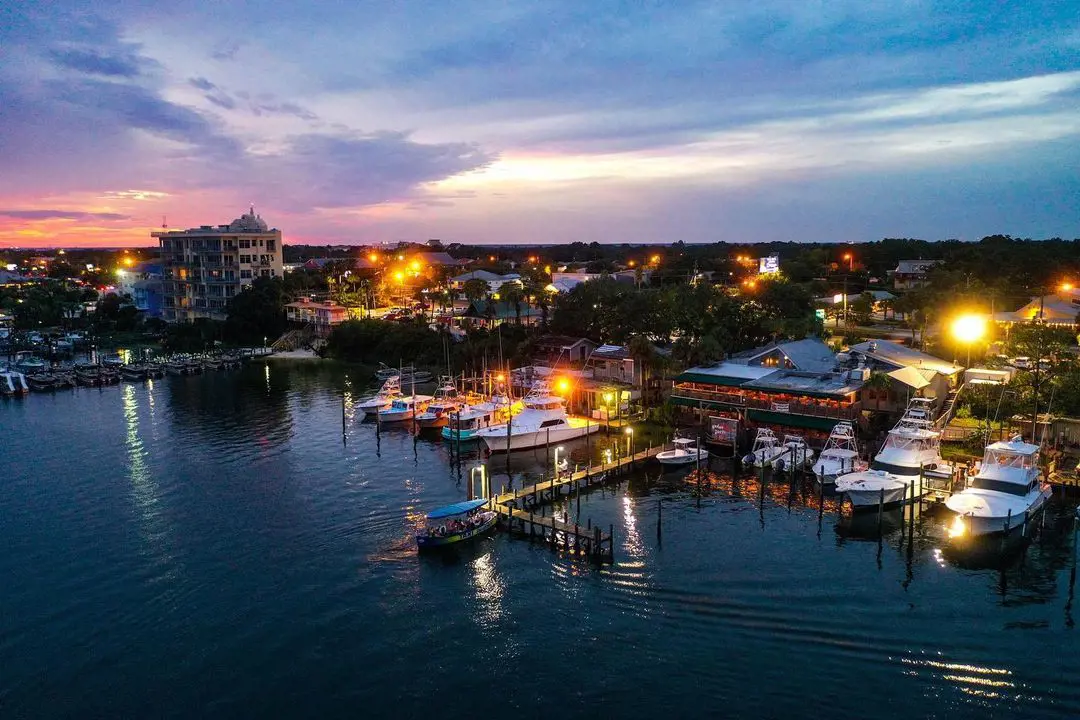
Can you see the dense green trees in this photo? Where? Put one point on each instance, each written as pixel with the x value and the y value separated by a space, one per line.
pixel 257 312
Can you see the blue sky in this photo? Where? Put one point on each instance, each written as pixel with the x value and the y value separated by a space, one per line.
pixel 552 121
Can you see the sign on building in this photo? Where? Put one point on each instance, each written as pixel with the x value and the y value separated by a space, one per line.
pixel 769 264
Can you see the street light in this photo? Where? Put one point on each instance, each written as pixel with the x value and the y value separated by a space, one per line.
pixel 1067 286
pixel 851 261
pixel 630 441
pixel 969 329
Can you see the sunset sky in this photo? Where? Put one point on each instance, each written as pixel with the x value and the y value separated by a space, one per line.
pixel 546 121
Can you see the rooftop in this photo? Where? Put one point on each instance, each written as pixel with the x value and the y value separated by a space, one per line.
pixel 808 354
pixel 902 356
pixel 914 267
pixel 836 385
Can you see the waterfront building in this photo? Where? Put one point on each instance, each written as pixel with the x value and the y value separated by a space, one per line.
pixel 492 313
pixel 795 384
pixel 912 373
pixel 204 267
pixel 321 316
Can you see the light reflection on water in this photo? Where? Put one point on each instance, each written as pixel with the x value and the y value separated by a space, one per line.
pixel 269 532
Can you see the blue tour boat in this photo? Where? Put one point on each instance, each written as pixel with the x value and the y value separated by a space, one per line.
pixel 456 523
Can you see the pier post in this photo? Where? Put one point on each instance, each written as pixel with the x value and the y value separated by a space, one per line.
pixel 588 523
pixel 1005 530
pixel 659 520
pixel 343 438
pixel 611 540
pixel 880 510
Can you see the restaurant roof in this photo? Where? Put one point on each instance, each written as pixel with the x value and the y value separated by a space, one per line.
pixel 814 384
pixel 902 356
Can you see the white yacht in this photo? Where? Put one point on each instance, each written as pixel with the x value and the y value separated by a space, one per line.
pixel 841 455
pixel 1005 494
pixel 404 408
pixel 391 389
pixel 542 420
pixel 911 448
pixel 766 450
pixel 446 401
pixel 685 452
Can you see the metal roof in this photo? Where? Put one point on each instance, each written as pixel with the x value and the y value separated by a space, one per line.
pixel 902 356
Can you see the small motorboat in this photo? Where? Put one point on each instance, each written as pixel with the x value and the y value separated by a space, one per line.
pixel 13 382
pixel 446 401
pixel 455 523
pixel 391 389
pixel 794 450
pixel 685 452
pixel 766 450
pixel 42 381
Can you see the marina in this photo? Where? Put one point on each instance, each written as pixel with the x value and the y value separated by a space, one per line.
pixel 699 558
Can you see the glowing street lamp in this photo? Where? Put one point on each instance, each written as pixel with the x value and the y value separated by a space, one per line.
pixel 969 329
pixel 1067 286
pixel 562 385
pixel 655 259
pixel 850 260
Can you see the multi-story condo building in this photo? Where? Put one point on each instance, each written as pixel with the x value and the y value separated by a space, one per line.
pixel 203 267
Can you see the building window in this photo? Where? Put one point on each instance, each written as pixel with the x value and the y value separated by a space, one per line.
pixel 245 259
pixel 270 245
pixel 245 274
pixel 245 242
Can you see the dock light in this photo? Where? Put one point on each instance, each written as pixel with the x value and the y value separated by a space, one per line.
pixel 958 528
pixel 558 450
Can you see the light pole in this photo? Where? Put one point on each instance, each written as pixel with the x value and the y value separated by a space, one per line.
pixel 851 261
pixel 969 329
pixel 557 451
pixel 630 441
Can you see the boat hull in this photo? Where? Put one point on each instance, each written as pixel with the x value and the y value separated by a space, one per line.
pixel 387 416
pixel 1001 524
pixel 499 442
pixel 672 460
pixel 436 422
pixel 426 542
pixel 870 499
pixel 449 433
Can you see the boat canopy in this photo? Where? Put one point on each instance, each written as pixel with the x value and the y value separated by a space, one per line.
pixel 456 509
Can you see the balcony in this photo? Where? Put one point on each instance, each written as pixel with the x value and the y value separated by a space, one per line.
pixel 787 404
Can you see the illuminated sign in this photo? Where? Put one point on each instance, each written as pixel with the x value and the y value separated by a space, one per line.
pixel 770 264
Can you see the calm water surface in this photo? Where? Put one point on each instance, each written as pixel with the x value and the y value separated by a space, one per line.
pixel 209 546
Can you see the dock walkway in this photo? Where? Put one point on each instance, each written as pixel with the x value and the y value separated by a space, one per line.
pixel 517 508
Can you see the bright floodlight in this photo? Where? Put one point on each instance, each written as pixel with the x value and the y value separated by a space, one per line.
pixel 968 328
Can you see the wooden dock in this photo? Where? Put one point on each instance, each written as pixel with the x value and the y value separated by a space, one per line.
pixel 517 508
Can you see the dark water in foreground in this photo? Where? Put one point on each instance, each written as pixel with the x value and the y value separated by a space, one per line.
pixel 207 546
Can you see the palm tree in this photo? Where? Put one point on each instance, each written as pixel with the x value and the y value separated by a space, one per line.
pixel 877 382
pixel 512 292
pixel 476 290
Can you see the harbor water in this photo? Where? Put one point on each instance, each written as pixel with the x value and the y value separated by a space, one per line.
pixel 214 546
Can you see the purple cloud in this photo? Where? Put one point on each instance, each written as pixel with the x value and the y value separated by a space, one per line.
pixel 61 215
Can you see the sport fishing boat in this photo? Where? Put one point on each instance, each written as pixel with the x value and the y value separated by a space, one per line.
pixel 1004 494
pixel 911 449
pixel 27 363
pixel 455 523
pixel 841 455
pixel 796 450
pixel 766 450
pixel 463 424
pixel 406 375
pixel 446 401
pixel 543 420
pixel 685 452
pixel 391 389
pixel 403 408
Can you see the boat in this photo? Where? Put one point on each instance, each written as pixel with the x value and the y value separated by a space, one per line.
pixel 795 450
pixel 766 450
pixel 463 424
pixel 42 381
pixel 685 452
pixel 26 363
pixel 445 402
pixel 87 374
pixel 543 420
pixel 840 455
pixel 404 408
pixel 911 451
pixel 455 523
pixel 13 382
pixel 133 371
pixel 406 375
pixel 1005 494
pixel 391 388
pixel 112 361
